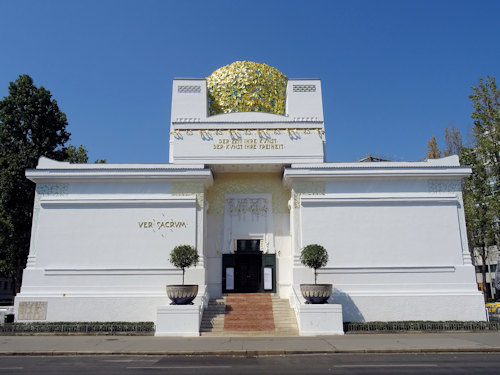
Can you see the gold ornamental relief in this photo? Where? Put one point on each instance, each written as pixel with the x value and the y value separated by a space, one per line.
pixel 306 188
pixel 248 183
pixel 246 86
pixel 190 188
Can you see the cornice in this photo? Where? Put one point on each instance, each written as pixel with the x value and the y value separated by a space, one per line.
pixel 386 169
pixel 43 175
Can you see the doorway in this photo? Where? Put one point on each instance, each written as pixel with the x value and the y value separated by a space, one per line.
pixel 248 270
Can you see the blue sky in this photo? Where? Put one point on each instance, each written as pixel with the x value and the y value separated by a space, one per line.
pixel 393 73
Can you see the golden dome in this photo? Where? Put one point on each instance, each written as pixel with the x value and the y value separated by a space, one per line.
pixel 246 86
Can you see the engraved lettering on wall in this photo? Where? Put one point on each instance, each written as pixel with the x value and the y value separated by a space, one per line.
pixel 32 310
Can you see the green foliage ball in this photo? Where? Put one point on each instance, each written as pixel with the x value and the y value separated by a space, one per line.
pixel 184 256
pixel 314 256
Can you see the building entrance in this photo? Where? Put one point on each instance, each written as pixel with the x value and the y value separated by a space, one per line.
pixel 248 270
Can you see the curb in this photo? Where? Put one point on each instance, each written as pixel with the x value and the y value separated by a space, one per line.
pixel 245 353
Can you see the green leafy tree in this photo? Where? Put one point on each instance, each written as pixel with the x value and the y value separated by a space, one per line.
pixel 184 256
pixel 76 155
pixel 31 125
pixel 481 189
pixel 314 256
pixel 486 115
pixel 433 151
pixel 79 155
pixel 478 215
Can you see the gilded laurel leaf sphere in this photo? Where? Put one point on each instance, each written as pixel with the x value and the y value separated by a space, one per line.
pixel 246 86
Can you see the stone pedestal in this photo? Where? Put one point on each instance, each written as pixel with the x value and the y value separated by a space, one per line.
pixel 178 320
pixel 314 320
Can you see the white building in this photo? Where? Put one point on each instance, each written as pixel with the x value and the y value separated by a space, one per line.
pixel 249 189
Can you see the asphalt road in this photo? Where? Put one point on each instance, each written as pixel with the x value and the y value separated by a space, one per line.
pixel 444 363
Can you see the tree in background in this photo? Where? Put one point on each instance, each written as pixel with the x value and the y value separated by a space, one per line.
pixel 79 155
pixel 481 189
pixel 453 141
pixel 31 125
pixel 486 115
pixel 478 215
pixel 76 155
pixel 433 151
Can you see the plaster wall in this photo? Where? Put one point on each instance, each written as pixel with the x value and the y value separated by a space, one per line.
pixel 374 233
pixel 100 249
pixel 395 246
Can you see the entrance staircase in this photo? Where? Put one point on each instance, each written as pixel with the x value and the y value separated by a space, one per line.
pixel 249 314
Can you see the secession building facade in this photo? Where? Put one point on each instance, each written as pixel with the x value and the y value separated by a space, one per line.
pixel 248 186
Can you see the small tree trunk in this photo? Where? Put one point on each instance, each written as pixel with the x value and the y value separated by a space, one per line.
pixel 183 276
pixel 486 285
pixel 315 275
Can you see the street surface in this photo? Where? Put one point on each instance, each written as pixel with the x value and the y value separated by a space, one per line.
pixel 444 363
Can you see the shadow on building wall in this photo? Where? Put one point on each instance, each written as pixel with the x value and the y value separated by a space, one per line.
pixel 350 312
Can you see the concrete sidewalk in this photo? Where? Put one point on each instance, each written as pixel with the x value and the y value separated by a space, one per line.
pixel 149 345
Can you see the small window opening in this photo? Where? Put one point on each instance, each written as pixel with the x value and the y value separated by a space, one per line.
pixel 248 245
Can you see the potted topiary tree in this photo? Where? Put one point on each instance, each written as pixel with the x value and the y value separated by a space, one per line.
pixel 315 256
pixel 183 256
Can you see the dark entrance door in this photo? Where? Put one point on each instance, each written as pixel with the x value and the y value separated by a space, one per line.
pixel 248 270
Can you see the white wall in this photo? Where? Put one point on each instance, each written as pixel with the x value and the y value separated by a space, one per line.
pixel 397 246
pixel 100 247
pixel 107 235
pixel 377 233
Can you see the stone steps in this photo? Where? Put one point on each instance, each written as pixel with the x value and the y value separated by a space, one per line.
pixel 252 311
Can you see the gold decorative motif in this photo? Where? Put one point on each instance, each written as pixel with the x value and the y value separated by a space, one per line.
pixel 248 183
pixel 236 132
pixel 190 188
pixel 246 86
pixel 306 188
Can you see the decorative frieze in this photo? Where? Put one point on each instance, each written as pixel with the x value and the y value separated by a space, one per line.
pixel 306 188
pixel 238 133
pixel 189 89
pixel 52 189
pixel 190 188
pixel 257 207
pixel 248 183
pixel 444 186
pixel 304 88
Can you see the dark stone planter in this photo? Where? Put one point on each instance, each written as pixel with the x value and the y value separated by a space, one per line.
pixel 316 293
pixel 182 294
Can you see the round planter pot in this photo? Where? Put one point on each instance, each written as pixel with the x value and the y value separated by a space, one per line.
pixel 182 294
pixel 316 293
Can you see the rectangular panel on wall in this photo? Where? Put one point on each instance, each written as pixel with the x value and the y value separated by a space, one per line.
pixel 268 278
pixel 229 278
pixel 269 270
pixel 111 233
pixel 383 232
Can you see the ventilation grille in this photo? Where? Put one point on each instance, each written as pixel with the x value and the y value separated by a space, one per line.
pixel 304 88
pixel 189 89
